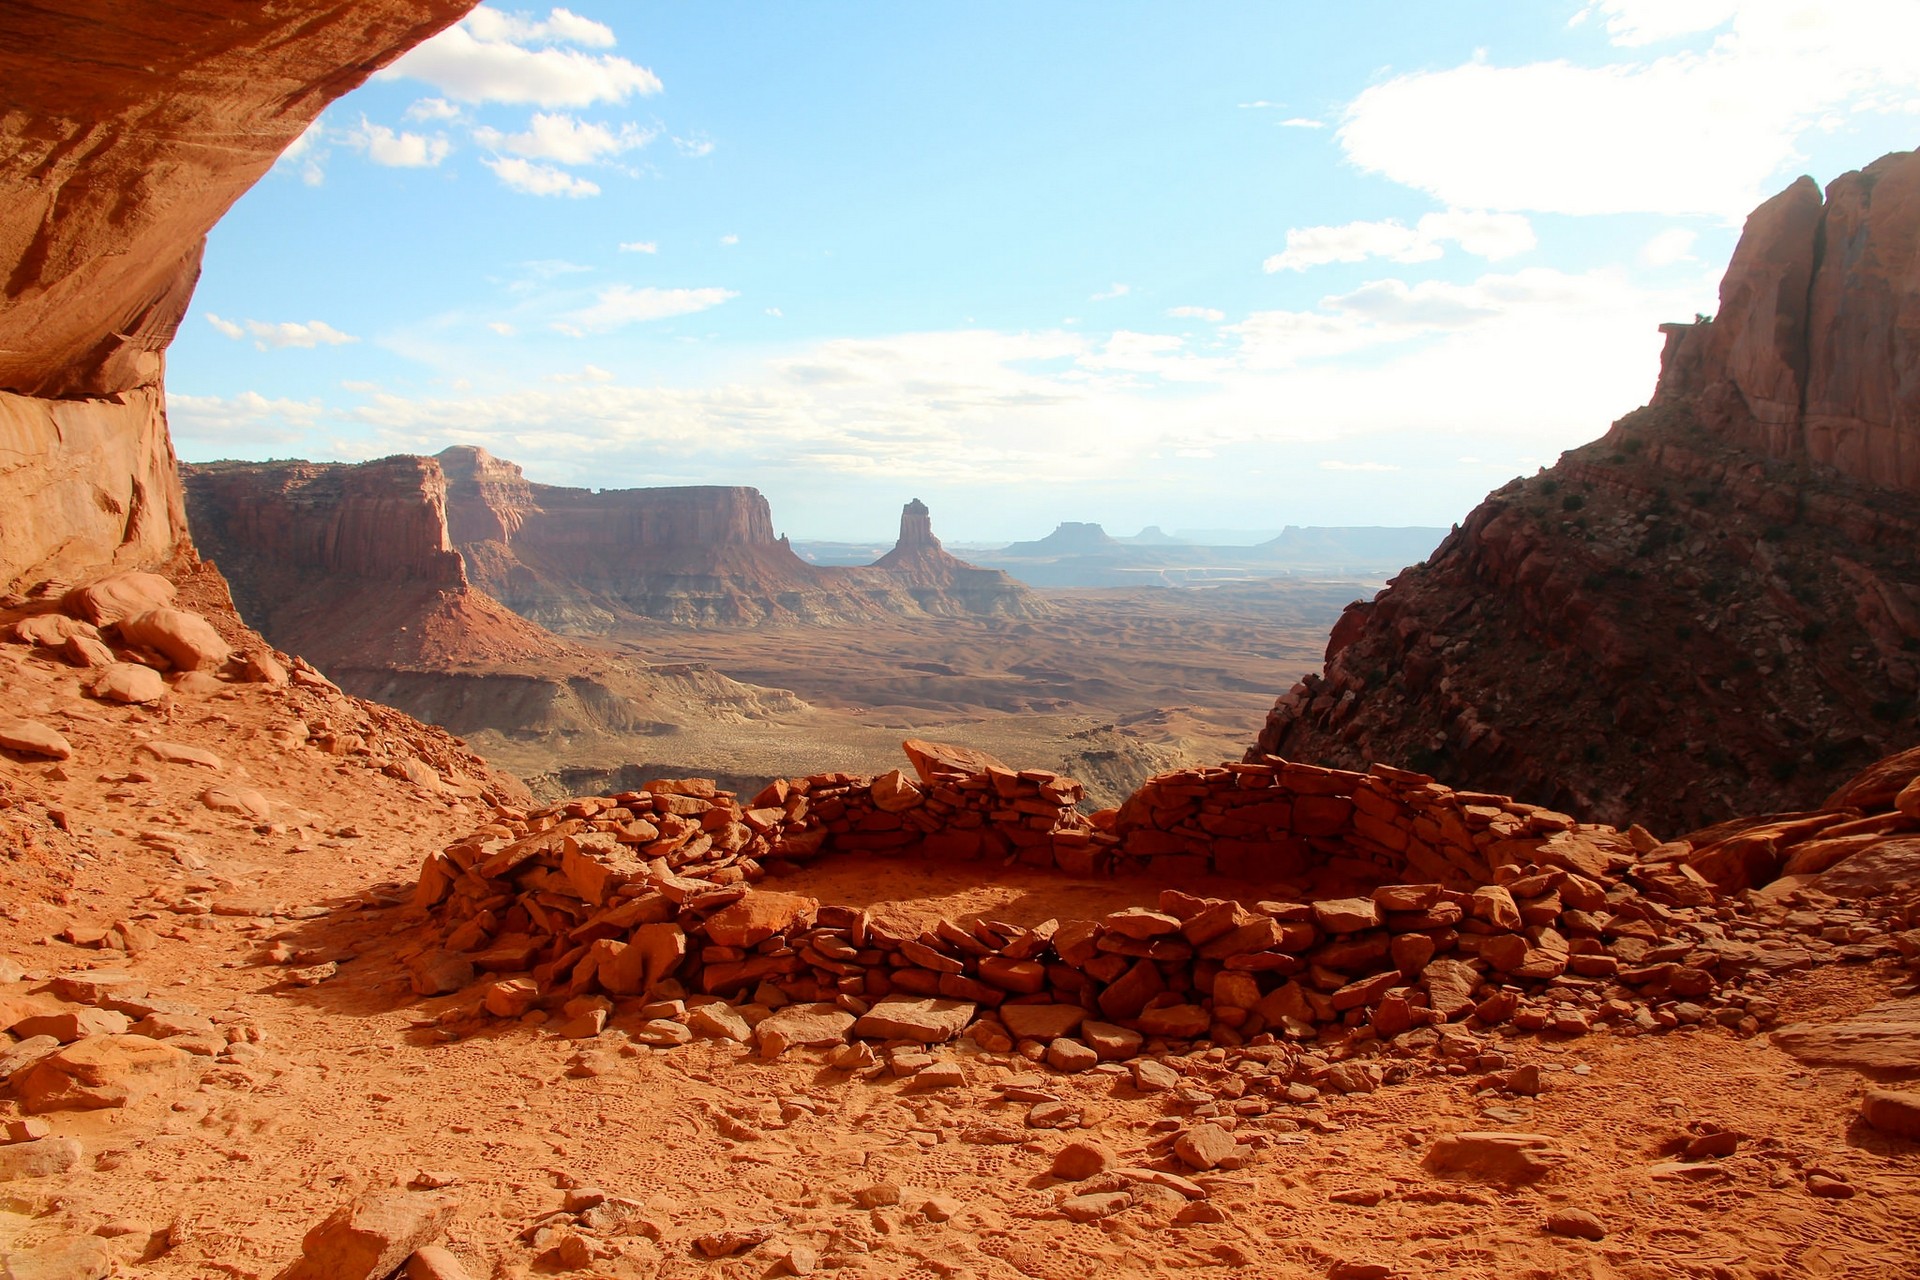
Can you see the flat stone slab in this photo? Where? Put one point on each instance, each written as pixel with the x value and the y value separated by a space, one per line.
pixel 1883 1041
pixel 930 1021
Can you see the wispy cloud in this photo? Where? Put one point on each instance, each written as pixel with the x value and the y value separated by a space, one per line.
pixel 1487 235
pixel 492 56
pixel 286 333
pixel 623 305
pixel 640 246
pixel 1209 314
pixel 397 150
pixel 556 136
pixel 1112 291
pixel 540 179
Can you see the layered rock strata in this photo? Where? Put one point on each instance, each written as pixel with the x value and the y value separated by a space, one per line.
pixel 579 560
pixel 1713 608
pixel 353 567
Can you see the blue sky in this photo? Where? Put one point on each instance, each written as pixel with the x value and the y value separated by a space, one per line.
pixel 1222 265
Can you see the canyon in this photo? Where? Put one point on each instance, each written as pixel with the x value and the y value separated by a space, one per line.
pixel 294 984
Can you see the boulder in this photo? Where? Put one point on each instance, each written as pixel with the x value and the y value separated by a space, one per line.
pixel 128 682
pixel 1872 870
pixel 930 1021
pixel 757 917
pixel 1893 1112
pixel 804 1024
pixel 370 1238
pixel 1504 1158
pixel 40 1158
pixel 30 737
pixel 101 1072
pixel 118 596
pixel 1042 1021
pixel 188 640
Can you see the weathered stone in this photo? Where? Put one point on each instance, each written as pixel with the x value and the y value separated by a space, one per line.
pixel 805 1024
pixel 73 1024
pixel 930 1021
pixel 1577 1223
pixel 1893 1112
pixel 1042 1021
pixel 1111 1043
pixel 1150 1075
pixel 757 917
pixel 1506 1158
pixel 117 596
pixel 1092 1208
pixel 1207 1146
pixel 1884 1040
pixel 370 1238
pixel 101 1072
pixel 128 682
pixel 1346 915
pixel 30 737
pixel 431 1262
pixel 719 1022
pixel 1176 1021
pixel 40 1158
pixel 1070 1056
pixel 186 639
pixel 1078 1161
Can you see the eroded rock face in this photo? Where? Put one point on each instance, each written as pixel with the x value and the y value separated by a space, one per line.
pixel 579 560
pixel 1713 608
pixel 1815 354
pixel 126 131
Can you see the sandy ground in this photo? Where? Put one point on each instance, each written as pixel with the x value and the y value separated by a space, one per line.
pixel 344 1093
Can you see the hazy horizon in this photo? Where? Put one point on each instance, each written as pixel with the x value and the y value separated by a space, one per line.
pixel 1247 267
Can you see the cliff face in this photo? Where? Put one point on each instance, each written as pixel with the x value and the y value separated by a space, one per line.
pixel 353 568
pixel 1814 356
pixel 126 131
pixel 579 560
pixel 1713 608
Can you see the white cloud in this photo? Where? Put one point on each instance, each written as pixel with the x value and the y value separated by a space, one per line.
pixel 1639 22
pixel 694 147
pixel 640 246
pixel 1259 104
pixel 286 333
pixel 553 135
pixel 1302 122
pixel 1209 314
pixel 248 419
pixel 586 373
pixel 561 27
pixel 1334 464
pixel 1487 235
pixel 1675 244
pixel 1699 131
pixel 434 109
pixel 623 305
pixel 305 154
pixel 1115 290
pixel 502 328
pixel 491 57
pixel 539 179
pixel 398 150
pixel 729 239
pixel 775 312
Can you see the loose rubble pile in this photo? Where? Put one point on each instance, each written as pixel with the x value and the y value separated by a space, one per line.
pixel 642 904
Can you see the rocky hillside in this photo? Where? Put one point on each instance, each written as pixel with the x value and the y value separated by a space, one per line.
pixel 1714 608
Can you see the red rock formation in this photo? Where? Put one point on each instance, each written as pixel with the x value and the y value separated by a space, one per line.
pixel 942 583
pixel 580 560
pixel 1815 354
pixel 126 131
pixel 1709 611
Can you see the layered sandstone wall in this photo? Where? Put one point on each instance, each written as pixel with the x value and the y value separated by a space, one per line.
pixel 85 485
pixel 1814 356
